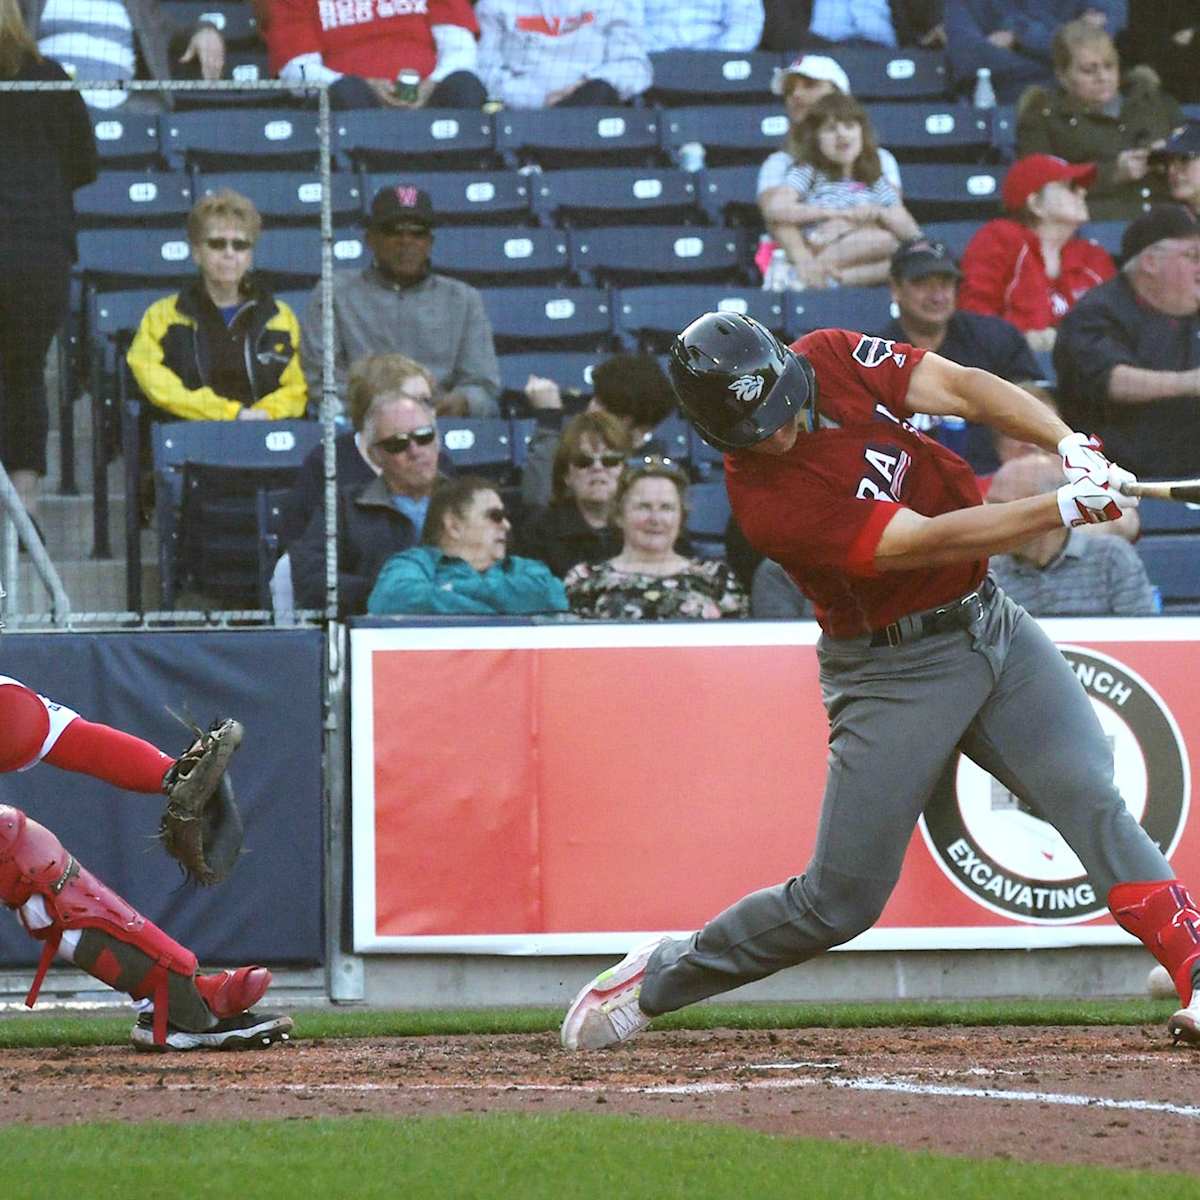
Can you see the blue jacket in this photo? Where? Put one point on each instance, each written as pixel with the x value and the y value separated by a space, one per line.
pixel 424 580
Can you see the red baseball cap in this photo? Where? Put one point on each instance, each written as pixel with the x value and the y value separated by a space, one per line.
pixel 1032 173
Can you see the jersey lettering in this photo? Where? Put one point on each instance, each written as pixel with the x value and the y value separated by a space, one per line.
pixel 872 351
pixel 888 468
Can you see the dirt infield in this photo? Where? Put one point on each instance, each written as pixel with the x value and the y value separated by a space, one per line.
pixel 1053 1095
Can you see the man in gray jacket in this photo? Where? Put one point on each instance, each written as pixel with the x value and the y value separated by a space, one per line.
pixel 399 305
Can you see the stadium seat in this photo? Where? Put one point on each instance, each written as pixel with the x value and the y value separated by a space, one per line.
pixel 866 309
pixel 952 191
pixel 268 510
pixel 538 318
pixel 126 140
pixel 649 317
pixel 135 197
pixel 707 518
pixel 712 76
pixel 730 195
pixel 956 234
pixel 920 132
pixel 499 197
pixel 502 256
pixel 650 253
pixel 883 73
pixel 403 141
pixel 480 446
pixel 133 256
pixel 564 137
pixel 1004 132
pixel 233 18
pixel 1172 562
pixel 590 196
pixel 570 369
pixel 731 133
pixel 238 139
pixel 1168 516
pixel 291 258
pixel 673 434
pixel 1106 233
pixel 291 197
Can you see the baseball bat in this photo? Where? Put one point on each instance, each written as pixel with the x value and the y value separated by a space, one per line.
pixel 1187 490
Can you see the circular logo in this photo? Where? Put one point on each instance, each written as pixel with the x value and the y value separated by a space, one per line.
pixel 1007 857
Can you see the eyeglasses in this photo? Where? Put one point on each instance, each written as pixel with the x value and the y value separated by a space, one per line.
pixel 582 461
pixel 497 515
pixel 399 442
pixel 239 244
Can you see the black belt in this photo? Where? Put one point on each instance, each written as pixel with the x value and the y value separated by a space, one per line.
pixel 959 615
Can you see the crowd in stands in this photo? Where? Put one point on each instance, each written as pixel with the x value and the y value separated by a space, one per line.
pixel 598 516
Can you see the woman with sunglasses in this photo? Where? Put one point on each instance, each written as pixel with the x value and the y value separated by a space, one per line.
pixel 577 525
pixel 222 348
pixel 648 579
pixel 462 565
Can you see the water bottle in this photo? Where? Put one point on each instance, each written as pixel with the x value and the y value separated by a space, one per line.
pixel 775 277
pixel 985 94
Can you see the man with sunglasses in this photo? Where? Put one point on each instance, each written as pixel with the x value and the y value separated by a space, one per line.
pixel 399 304
pixel 383 516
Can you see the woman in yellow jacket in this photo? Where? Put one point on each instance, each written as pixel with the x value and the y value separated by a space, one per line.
pixel 223 348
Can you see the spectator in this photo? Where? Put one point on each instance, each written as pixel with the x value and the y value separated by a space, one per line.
pixel 1089 119
pixel 577 524
pixel 463 566
pixel 223 348
pixel 541 55
pixel 702 25
pixel 1030 268
pixel 1015 39
pixel 360 49
pixel 1066 572
pixel 1128 354
pixel 648 579
pixel 839 219
pixel 1181 156
pixel 106 41
pixel 1165 35
pixel 378 518
pixel 796 24
pixel 924 282
pixel 775 595
pixel 630 387
pixel 399 305
pixel 46 152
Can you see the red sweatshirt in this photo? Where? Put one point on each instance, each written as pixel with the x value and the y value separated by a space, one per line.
pixel 371 38
pixel 1004 275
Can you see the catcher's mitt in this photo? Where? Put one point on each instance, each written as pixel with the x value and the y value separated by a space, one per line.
pixel 201 826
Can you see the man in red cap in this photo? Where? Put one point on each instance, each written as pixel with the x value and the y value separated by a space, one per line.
pixel 1030 267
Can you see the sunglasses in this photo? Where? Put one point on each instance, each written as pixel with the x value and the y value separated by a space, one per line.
pixel 496 515
pixel 399 442
pixel 239 244
pixel 583 461
pixel 412 231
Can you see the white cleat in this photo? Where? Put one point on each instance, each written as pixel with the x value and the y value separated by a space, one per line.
pixel 606 1011
pixel 1184 1026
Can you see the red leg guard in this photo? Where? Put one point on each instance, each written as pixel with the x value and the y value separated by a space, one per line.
pixel 231 992
pixel 1162 915
pixel 24 724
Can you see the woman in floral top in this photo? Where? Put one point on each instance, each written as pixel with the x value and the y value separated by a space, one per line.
pixel 647 580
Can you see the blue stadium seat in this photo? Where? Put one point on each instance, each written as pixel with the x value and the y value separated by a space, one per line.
pixel 234 18
pixel 133 256
pixel 233 139
pixel 539 318
pixel 952 191
pixel 126 140
pixel 921 132
pixel 1172 562
pixel 649 317
pixel 883 73
pixel 590 196
pixel 1004 132
pixel 499 197
pixel 135 197
pixel 731 133
pixel 865 309
pixel 1106 233
pixel 712 76
pixel 479 445
pixel 562 137
pixel 570 369
pixel 648 253
pixel 413 140
pixel 708 516
pixel 290 197
pixel 502 256
pixel 730 194
pixel 1169 516
pixel 291 258
pixel 673 434
pixel 956 234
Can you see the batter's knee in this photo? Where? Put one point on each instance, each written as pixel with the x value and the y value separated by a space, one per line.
pixel 844 905
pixel 24 726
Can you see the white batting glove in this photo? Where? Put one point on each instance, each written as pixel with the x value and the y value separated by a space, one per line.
pixel 1083 458
pixel 1086 503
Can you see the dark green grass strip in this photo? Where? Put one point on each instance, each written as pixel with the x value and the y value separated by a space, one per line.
pixel 565 1157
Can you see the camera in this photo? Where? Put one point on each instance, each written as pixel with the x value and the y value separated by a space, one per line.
pixel 407 84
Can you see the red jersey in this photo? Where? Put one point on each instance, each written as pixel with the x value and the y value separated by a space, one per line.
pixel 820 510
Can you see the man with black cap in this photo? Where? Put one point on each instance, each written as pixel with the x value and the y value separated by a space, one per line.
pixel 924 281
pixel 400 305
pixel 1180 154
pixel 1128 354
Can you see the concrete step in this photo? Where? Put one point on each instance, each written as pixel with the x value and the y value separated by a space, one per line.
pixel 91 585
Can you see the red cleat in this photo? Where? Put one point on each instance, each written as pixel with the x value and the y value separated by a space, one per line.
pixel 231 992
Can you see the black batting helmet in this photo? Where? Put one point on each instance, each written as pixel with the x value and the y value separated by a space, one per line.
pixel 737 382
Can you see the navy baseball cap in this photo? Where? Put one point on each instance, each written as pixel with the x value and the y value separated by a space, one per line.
pixel 1183 143
pixel 921 257
pixel 401 204
pixel 1161 222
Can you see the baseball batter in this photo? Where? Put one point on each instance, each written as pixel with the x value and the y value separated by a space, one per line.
pixel 74 915
pixel 921 654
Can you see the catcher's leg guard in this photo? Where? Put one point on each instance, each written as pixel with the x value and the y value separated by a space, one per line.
pixel 25 724
pixel 117 945
pixel 1165 919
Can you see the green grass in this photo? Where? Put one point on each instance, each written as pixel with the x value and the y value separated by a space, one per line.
pixel 22 1030
pixel 567 1157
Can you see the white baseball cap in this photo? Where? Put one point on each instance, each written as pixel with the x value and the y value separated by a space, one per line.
pixel 814 66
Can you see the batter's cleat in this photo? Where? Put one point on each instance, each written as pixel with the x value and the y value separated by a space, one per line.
pixel 606 1011
pixel 228 993
pixel 244 1031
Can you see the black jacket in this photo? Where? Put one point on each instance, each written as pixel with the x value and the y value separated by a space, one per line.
pixel 560 537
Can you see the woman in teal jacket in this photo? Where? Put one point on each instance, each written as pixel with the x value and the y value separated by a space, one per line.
pixel 463 565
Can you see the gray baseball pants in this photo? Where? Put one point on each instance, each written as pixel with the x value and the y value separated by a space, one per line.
pixel 1000 692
